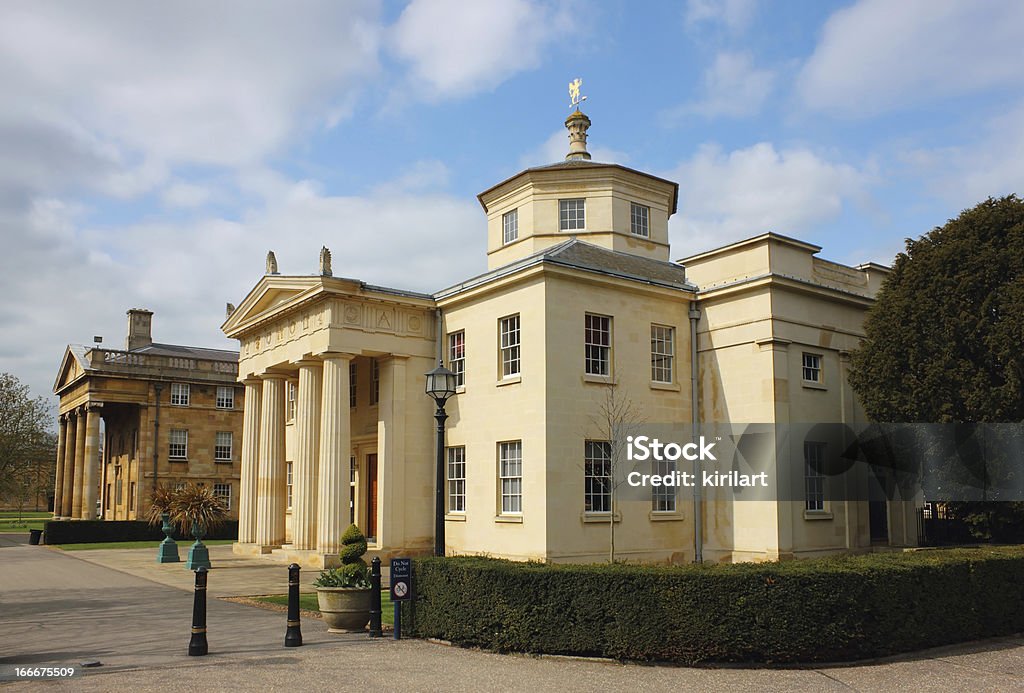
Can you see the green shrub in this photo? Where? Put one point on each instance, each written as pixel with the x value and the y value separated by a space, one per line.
pixel 837 609
pixel 353 571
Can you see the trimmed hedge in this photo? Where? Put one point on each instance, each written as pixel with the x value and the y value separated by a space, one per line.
pixel 89 531
pixel 836 609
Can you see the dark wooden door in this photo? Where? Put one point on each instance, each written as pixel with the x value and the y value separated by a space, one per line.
pixel 371 496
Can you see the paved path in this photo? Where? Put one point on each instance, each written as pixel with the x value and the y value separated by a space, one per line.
pixel 60 609
pixel 230 576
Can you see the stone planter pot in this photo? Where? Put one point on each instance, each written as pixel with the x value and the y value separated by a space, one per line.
pixel 198 554
pixel 345 609
pixel 168 550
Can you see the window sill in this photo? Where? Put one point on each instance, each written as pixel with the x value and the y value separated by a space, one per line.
pixel 180 460
pixel 460 389
pixel 811 385
pixel 224 461
pixel 183 406
pixel 671 387
pixel 817 515
pixel 515 519
pixel 601 518
pixel 598 379
pixel 665 516
pixel 510 380
pixel 455 517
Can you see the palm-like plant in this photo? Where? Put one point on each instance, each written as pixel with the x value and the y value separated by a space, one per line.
pixel 197 509
pixel 160 500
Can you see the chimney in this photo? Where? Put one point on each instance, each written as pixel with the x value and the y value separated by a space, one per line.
pixel 140 329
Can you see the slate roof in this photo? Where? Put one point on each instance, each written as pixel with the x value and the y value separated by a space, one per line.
pixel 188 352
pixel 580 255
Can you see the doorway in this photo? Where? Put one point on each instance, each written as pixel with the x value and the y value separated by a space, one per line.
pixel 371 496
pixel 878 510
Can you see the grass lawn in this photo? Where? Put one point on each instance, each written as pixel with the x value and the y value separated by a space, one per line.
pixel 308 602
pixel 134 544
pixel 30 520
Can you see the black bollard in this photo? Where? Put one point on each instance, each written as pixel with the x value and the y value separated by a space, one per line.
pixel 375 609
pixel 293 637
pixel 197 646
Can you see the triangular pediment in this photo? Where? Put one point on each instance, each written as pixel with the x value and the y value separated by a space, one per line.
pixel 274 295
pixel 70 370
pixel 272 299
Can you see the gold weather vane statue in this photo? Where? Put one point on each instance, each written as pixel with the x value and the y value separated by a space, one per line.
pixel 574 93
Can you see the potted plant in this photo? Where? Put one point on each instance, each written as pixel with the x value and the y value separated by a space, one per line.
pixel 196 510
pixel 160 514
pixel 343 593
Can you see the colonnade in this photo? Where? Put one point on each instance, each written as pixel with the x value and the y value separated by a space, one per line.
pixel 78 463
pixel 320 481
pixel 321 448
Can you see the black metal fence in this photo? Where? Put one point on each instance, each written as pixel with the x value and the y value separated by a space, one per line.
pixel 935 527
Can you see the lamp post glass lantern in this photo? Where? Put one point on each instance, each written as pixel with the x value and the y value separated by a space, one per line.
pixel 440 386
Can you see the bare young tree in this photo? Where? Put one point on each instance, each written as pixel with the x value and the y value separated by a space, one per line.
pixel 616 419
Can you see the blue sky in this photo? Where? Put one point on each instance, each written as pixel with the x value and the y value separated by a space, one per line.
pixel 154 152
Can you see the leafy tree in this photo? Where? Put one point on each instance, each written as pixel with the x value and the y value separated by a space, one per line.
pixel 944 345
pixel 29 480
pixel 24 438
pixel 944 338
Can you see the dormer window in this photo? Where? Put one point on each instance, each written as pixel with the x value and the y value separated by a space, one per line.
pixel 639 217
pixel 572 214
pixel 510 226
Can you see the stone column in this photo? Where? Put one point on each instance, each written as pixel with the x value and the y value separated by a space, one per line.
pixel 58 482
pixel 335 449
pixel 250 461
pixel 68 491
pixel 76 501
pixel 270 479
pixel 307 449
pixel 391 453
pixel 91 464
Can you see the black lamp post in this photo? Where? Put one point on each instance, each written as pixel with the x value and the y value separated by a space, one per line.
pixel 440 386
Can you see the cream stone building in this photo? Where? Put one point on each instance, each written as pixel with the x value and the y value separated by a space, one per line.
pixel 146 415
pixel 581 306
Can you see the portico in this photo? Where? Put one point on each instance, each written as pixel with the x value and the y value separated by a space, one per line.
pixel 147 415
pixel 77 463
pixel 328 365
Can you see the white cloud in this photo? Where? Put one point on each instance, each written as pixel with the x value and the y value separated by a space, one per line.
pixel 964 174
pixel 186 195
pixel 186 271
pixel 117 100
pixel 457 48
pixel 418 176
pixel 733 87
pixel 724 197
pixel 189 82
pixel 879 55
pixel 736 15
